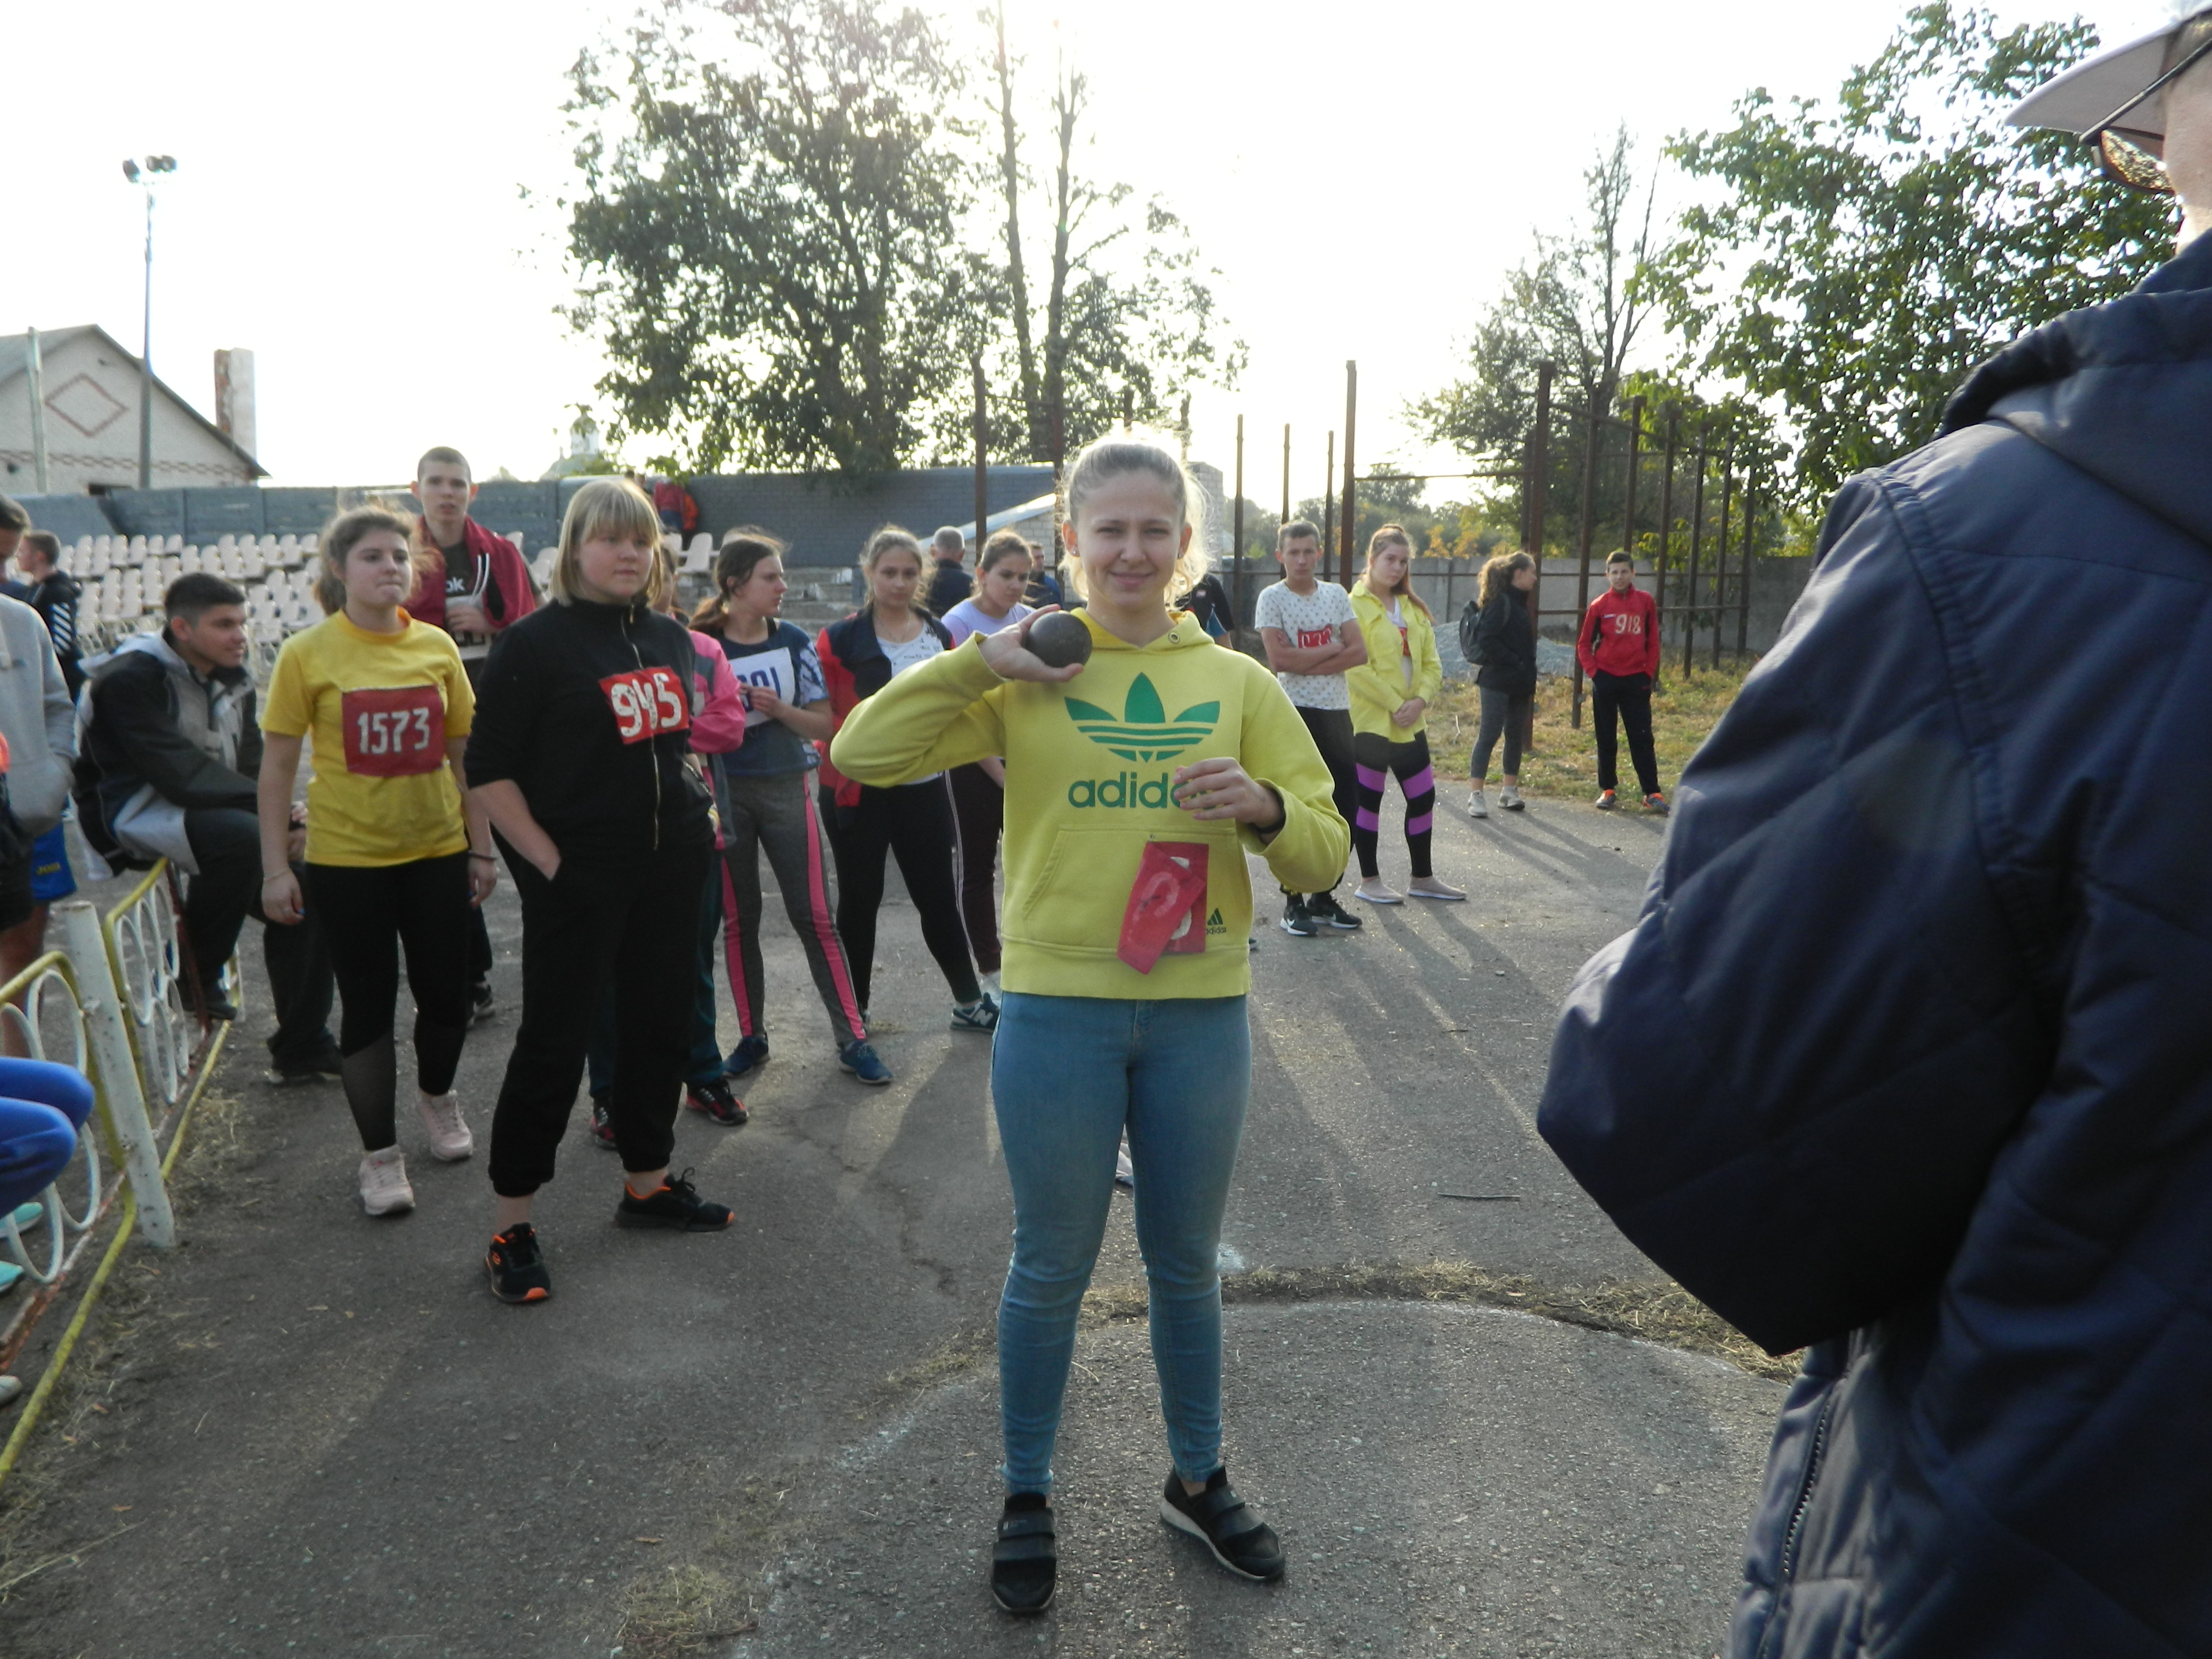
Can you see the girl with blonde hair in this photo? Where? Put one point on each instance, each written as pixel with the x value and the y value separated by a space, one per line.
pixel 1390 695
pixel 1136 784
pixel 582 754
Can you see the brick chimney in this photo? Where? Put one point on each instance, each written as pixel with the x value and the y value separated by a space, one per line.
pixel 234 397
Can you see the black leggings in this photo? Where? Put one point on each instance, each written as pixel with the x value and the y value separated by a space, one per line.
pixel 915 822
pixel 1331 731
pixel 979 808
pixel 630 922
pixel 1377 758
pixel 369 914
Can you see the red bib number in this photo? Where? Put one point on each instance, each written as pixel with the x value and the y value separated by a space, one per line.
pixel 646 702
pixel 394 731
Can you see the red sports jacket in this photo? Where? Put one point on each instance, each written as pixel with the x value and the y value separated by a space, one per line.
pixel 1620 635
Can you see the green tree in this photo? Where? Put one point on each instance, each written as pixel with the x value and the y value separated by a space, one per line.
pixel 1113 312
pixel 1576 303
pixel 770 192
pixel 1858 259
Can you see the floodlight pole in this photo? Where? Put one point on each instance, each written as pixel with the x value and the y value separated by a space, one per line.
pixel 146 357
pixel 1351 510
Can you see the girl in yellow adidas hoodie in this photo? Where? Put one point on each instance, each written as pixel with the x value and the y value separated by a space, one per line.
pixel 1135 784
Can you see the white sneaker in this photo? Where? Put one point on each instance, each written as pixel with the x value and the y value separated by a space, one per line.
pixel 1376 890
pixel 1510 798
pixel 384 1188
pixel 450 1139
pixel 1428 887
pixel 1475 809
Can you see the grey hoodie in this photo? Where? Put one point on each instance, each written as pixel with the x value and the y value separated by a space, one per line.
pixel 35 718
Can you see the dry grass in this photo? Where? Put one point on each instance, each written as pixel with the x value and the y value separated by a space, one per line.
pixel 681 1612
pixel 1564 761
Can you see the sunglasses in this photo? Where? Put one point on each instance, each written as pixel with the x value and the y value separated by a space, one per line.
pixel 2137 159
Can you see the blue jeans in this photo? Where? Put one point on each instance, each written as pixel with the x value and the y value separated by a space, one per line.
pixel 42 1107
pixel 1068 1074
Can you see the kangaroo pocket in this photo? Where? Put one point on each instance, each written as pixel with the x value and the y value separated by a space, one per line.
pixel 1075 900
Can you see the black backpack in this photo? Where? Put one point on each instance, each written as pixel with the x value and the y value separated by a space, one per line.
pixel 1470 616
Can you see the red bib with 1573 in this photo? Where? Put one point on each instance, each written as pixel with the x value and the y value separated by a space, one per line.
pixel 646 702
pixel 394 731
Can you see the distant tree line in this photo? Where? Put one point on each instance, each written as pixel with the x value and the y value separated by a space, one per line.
pixel 1850 265
pixel 806 229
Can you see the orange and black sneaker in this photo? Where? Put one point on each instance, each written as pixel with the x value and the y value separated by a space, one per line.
pixel 1606 801
pixel 675 1203
pixel 1655 802
pixel 517 1269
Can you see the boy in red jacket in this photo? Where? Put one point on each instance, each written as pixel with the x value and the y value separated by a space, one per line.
pixel 1619 650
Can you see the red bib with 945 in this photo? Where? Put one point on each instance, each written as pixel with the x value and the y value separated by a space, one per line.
pixel 646 702
pixel 394 731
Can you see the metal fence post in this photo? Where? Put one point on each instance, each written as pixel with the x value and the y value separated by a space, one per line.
pixel 1584 533
pixel 1350 493
pixel 1720 556
pixel 106 1022
pixel 1666 532
pixel 1690 576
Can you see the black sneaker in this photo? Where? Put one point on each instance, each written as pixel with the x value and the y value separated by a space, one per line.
pixel 325 1067
pixel 1218 1518
pixel 1324 909
pixel 602 1132
pixel 714 1099
pixel 1025 1559
pixel 675 1203
pixel 1296 922
pixel 517 1269
pixel 750 1056
pixel 481 1005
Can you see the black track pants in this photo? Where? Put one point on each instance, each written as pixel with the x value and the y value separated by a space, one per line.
pixel 632 923
pixel 1629 696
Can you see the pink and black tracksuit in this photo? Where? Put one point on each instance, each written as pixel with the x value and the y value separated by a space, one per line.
pixel 766 807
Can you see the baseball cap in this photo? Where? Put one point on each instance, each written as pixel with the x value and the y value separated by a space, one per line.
pixel 2116 101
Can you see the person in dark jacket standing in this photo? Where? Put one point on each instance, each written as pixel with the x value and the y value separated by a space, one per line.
pixel 1505 660
pixel 54 594
pixel 169 759
pixel 887 636
pixel 949 581
pixel 582 754
pixel 1905 1061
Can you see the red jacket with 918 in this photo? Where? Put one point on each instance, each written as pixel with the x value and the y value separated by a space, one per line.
pixel 1620 635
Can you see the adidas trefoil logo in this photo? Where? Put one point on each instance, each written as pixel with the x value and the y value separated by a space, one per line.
pixel 1144 731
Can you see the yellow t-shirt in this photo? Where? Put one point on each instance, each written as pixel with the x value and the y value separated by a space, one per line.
pixel 378 710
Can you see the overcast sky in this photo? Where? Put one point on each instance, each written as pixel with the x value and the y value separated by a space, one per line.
pixel 348 202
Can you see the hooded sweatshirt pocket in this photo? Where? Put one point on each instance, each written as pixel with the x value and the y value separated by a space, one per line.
pixel 1077 897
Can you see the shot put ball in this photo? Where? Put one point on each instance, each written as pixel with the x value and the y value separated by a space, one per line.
pixel 1059 640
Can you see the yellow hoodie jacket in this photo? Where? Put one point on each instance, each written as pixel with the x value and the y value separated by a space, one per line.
pixel 1378 685
pixel 1088 769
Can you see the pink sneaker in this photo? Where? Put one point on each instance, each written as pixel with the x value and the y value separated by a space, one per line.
pixel 450 1139
pixel 384 1188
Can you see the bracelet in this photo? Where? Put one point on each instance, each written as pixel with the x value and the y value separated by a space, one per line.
pixel 265 880
pixel 486 857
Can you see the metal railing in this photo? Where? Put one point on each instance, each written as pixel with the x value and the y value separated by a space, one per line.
pixel 113 997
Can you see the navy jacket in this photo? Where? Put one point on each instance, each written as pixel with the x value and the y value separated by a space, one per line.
pixel 1909 1056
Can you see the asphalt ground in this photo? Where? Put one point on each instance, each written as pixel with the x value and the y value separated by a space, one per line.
pixel 309 1431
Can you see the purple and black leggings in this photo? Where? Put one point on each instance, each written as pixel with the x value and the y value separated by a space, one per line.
pixel 1375 759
